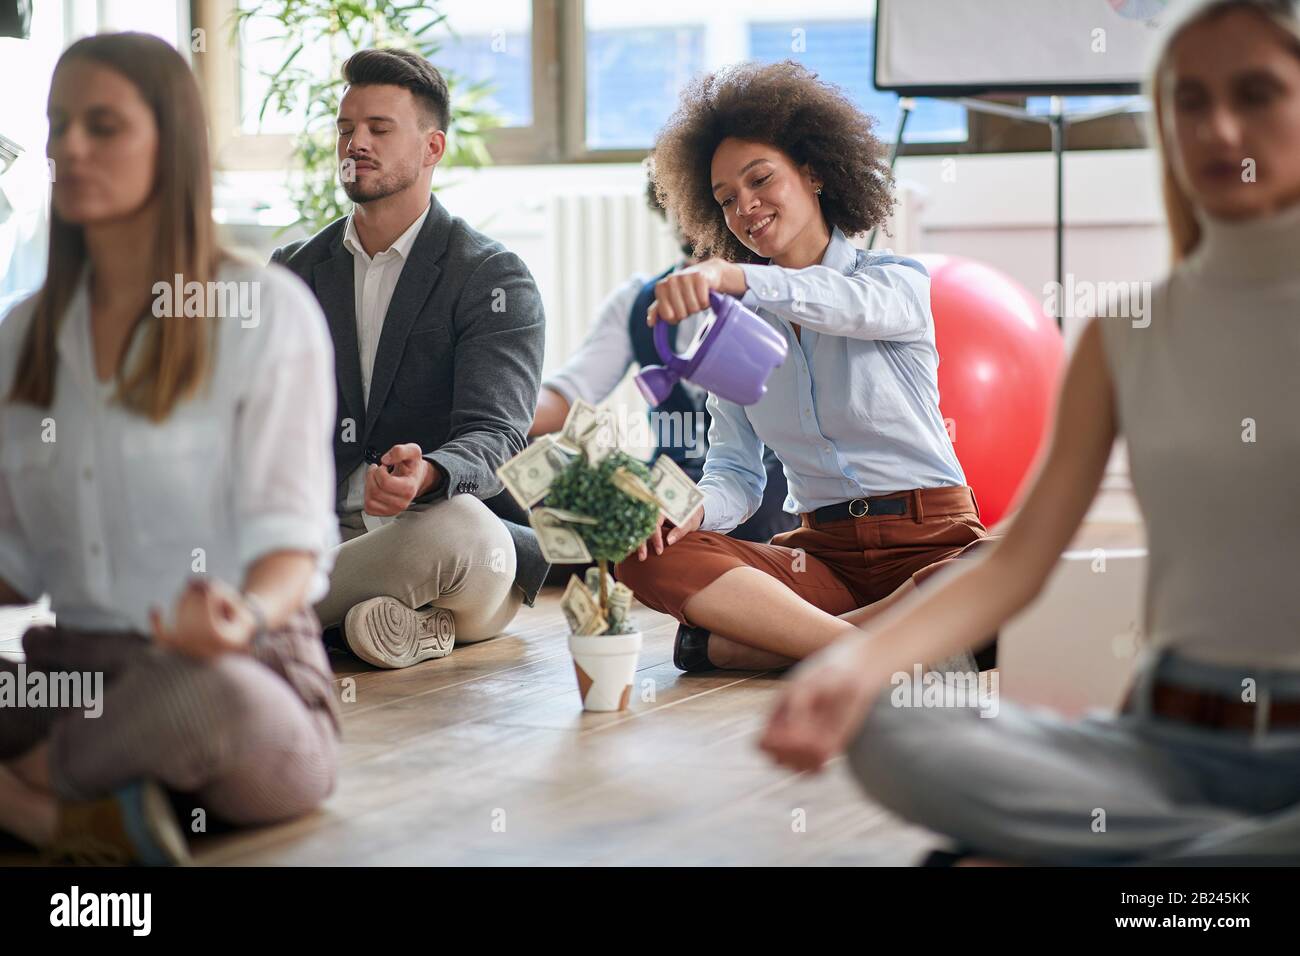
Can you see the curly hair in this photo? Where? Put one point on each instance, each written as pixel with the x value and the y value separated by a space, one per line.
pixel 652 199
pixel 785 105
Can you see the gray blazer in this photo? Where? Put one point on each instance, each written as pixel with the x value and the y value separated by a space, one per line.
pixel 457 369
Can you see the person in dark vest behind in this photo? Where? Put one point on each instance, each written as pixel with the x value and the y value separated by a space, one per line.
pixel 679 424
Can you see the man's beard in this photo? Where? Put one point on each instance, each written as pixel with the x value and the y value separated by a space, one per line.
pixel 379 187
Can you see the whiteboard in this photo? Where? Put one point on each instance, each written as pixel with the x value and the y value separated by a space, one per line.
pixel 969 47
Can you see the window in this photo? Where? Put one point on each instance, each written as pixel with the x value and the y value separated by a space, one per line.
pixel 1041 105
pixel 489 44
pixel 594 80
pixel 26 69
pixel 638 58
pixel 28 65
pixel 505 50
pixel 169 19
pixel 492 44
pixel 633 77
pixel 263 48
pixel 843 52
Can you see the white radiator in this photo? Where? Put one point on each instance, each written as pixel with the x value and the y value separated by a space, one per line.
pixel 597 242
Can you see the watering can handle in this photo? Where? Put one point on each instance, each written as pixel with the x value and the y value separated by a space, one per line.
pixel 666 354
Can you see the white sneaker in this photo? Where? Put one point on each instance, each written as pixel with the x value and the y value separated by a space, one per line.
pixel 384 632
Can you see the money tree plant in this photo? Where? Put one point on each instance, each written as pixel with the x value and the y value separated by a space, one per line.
pixel 619 522
pixel 590 501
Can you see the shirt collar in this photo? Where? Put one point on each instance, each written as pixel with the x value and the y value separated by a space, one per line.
pixel 1260 249
pixel 402 245
pixel 841 255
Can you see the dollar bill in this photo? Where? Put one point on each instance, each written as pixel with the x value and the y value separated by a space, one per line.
pixel 603 439
pixel 570 517
pixel 678 496
pixel 620 602
pixel 560 544
pixel 593 581
pixel 581 610
pixel 631 484
pixel 578 425
pixel 528 476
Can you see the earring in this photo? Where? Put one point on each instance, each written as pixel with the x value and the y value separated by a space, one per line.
pixel 818 191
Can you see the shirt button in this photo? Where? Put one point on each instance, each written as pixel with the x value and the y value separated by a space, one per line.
pixel 94 549
pixel 88 474
pixel 768 290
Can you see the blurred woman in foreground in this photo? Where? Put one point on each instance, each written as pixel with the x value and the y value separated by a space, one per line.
pixel 166 477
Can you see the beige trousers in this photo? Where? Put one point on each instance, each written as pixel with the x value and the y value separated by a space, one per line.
pixel 453 554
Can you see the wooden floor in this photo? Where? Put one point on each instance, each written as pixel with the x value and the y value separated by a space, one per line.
pixel 486 758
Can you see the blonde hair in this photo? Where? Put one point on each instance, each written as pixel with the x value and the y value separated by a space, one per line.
pixel 1184 229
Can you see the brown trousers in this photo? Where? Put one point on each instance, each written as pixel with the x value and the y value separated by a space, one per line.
pixel 837 566
pixel 253 737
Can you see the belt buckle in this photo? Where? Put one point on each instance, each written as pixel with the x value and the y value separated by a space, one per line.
pixel 865 507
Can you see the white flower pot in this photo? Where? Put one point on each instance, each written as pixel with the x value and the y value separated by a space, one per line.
pixel 606 668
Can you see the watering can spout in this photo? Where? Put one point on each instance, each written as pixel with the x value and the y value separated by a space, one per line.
pixel 733 359
pixel 656 384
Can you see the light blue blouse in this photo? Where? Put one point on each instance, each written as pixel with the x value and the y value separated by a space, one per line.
pixel 854 410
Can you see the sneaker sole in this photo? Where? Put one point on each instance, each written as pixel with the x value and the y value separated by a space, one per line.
pixel 386 633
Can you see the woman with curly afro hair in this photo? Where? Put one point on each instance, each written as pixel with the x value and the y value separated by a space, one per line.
pixel 771 171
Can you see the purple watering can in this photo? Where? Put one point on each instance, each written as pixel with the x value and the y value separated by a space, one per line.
pixel 733 356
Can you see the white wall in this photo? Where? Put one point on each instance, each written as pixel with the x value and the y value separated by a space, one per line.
pixel 1001 209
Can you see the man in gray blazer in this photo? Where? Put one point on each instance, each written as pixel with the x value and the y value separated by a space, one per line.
pixel 438 338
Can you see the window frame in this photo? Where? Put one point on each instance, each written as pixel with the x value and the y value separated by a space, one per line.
pixel 557 134
pixel 218 72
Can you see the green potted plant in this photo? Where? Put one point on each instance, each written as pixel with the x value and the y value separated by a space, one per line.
pixel 589 500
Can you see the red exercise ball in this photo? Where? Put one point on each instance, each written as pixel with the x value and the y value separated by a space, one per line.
pixel 1000 362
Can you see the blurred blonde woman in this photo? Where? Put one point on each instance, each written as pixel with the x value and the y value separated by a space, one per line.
pixel 166 477
pixel 1202 765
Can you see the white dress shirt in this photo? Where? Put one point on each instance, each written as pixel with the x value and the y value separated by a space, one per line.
pixel 110 513
pixel 375 280
pixel 854 410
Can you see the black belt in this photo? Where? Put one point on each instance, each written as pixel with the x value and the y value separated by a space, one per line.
pixel 861 507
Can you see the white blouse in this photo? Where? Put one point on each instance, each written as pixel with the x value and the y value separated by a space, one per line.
pixel 110 513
